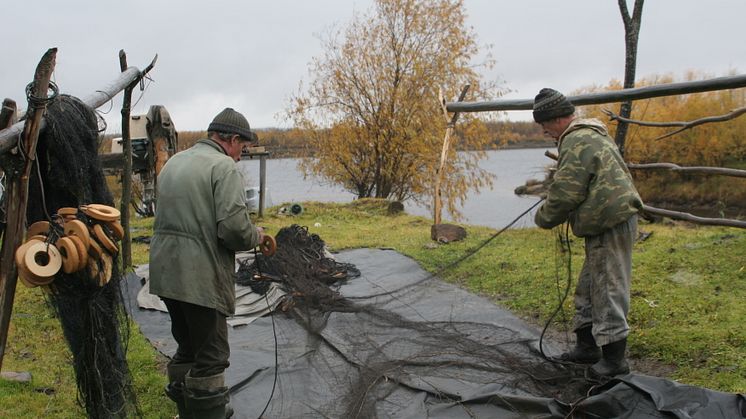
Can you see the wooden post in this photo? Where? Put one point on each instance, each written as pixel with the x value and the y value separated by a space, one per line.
pixel 262 183
pixel 17 194
pixel 7 114
pixel 7 119
pixel 444 151
pixel 127 169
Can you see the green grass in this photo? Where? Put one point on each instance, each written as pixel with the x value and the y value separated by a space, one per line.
pixel 687 307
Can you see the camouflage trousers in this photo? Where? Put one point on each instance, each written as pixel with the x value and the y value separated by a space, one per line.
pixel 602 294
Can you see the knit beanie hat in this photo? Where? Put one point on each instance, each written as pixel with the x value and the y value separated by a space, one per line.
pixel 550 104
pixel 231 122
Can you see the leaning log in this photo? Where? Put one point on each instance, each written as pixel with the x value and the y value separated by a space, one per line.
pixel 668 89
pixel 127 169
pixel 9 137
pixel 18 193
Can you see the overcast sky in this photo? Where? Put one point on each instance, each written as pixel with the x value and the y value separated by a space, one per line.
pixel 251 55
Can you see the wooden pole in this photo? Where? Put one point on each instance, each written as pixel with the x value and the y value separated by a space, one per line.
pixel 444 152
pixel 669 89
pixel 8 137
pixel 18 193
pixel 262 183
pixel 124 204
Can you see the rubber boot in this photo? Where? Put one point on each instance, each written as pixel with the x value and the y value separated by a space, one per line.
pixel 585 351
pixel 207 397
pixel 613 362
pixel 175 388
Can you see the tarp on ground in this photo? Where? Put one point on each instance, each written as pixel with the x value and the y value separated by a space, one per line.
pixel 410 346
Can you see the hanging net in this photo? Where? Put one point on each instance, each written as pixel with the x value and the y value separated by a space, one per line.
pixel 88 302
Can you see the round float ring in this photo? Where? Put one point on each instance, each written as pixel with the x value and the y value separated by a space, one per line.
pixel 101 212
pixel 67 211
pixel 37 228
pixel 107 264
pixel 94 251
pixel 268 245
pixel 69 252
pixel 104 239
pixel 82 252
pixel 43 260
pixel 28 279
pixel 79 229
pixel 116 229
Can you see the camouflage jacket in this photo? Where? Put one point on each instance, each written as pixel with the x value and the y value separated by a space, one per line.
pixel 592 187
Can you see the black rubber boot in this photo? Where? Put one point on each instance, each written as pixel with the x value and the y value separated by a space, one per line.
pixel 613 362
pixel 207 397
pixel 585 351
pixel 175 388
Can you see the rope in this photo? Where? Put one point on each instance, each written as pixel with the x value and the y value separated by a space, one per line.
pixel 274 333
pixel 462 258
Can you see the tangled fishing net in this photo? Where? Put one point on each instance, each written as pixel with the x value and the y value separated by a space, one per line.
pixel 394 351
pixel 94 322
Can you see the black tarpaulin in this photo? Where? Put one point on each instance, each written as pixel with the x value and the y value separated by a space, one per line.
pixel 409 346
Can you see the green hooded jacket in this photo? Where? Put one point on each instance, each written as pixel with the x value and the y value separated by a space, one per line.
pixel 592 186
pixel 201 220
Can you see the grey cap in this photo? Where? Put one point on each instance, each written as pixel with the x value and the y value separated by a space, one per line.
pixel 231 122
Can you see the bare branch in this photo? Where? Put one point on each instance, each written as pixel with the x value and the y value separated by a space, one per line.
pixel 698 169
pixel 693 218
pixel 684 125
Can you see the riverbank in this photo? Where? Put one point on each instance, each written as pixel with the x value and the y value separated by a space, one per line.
pixel 686 310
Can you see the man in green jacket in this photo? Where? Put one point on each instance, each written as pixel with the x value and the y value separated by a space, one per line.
pixel 593 190
pixel 200 222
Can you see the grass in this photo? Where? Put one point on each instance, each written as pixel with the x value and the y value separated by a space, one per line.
pixel 686 312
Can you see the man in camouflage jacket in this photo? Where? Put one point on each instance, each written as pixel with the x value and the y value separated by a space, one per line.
pixel 593 190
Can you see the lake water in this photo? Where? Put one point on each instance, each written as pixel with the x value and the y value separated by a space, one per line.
pixel 494 208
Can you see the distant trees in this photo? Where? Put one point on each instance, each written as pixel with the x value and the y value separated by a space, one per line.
pixel 371 110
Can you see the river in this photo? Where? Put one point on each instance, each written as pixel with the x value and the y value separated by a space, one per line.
pixel 494 207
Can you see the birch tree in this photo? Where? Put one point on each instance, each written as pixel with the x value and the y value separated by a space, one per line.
pixel 371 109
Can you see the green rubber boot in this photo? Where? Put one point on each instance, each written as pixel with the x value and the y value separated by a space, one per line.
pixel 175 388
pixel 207 397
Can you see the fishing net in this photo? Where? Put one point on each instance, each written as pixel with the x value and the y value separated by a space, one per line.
pixel 95 325
pixel 379 349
